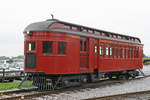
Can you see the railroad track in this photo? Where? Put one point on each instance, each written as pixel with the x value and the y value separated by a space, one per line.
pixel 26 94
pixel 121 96
pixel 5 95
pixel 16 91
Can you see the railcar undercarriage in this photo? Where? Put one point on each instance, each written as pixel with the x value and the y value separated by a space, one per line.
pixel 52 82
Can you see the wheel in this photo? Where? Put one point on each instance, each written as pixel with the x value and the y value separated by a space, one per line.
pixel 110 77
pixel 124 77
pixel 84 79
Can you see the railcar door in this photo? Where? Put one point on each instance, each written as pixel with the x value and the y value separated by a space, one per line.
pixel 84 56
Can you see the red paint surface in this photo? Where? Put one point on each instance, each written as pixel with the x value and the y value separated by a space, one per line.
pixel 71 61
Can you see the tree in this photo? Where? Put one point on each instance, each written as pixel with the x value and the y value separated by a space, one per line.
pixel 4 58
pixel 18 57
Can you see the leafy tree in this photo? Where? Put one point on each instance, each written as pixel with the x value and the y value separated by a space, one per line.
pixel 18 57
pixel 4 58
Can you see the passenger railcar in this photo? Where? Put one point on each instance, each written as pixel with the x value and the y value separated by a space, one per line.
pixel 59 54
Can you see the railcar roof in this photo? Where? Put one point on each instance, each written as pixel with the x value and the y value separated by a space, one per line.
pixel 44 26
pixel 40 26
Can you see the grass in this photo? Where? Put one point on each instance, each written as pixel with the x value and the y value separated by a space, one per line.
pixel 146 57
pixel 27 84
pixel 13 85
pixel 7 86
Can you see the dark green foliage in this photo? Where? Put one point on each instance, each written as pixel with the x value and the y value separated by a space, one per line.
pixel 4 58
pixel 18 57
pixel 7 58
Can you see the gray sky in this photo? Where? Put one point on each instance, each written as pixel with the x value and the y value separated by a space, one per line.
pixel 130 17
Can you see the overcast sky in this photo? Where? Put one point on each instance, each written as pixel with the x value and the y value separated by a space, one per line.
pixel 130 17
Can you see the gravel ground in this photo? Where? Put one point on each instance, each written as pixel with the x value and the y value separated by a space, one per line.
pixel 146 69
pixel 136 85
pixel 133 97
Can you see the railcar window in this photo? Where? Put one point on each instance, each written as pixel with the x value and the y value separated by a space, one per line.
pixel 101 49
pixel 120 50
pixel 103 34
pixel 127 51
pixel 123 38
pixel 47 47
pixel 107 50
pixel 74 28
pixel 61 48
pixel 137 52
pixel 84 30
pixel 97 33
pixel 123 51
pixel 66 27
pixel 90 31
pixel 95 48
pixel 119 37
pixel 110 35
pixel 85 45
pixel 133 52
pixel 31 46
pixel 81 45
pixel 114 36
pixel 130 52
pixel 136 40
pixel 115 52
pixel 111 50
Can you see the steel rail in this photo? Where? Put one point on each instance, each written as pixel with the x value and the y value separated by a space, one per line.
pixel 9 92
pixel 109 97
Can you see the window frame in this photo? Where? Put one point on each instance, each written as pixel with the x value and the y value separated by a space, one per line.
pixel 130 51
pixel 52 47
pixel 31 46
pixel 119 51
pixel 127 51
pixel 111 50
pixel 65 50
pixel 137 52
pixel 123 51
pixel 82 47
pixel 107 49
pixel 116 50
pixel 101 49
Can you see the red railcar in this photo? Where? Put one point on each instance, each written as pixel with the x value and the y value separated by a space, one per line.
pixel 61 51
